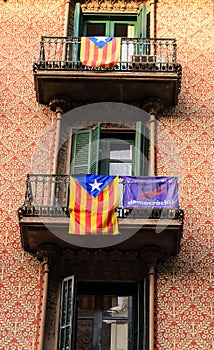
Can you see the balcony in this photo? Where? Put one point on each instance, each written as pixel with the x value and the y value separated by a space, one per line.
pixel 146 68
pixel 44 219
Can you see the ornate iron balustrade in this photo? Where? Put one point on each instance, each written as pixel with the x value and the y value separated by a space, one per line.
pixel 48 196
pixel 136 54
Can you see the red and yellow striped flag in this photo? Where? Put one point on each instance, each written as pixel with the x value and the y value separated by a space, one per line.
pixel 94 200
pixel 101 52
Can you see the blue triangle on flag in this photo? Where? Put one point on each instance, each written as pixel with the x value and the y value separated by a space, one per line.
pixel 94 184
pixel 100 41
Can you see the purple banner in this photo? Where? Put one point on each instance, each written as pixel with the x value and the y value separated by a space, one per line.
pixel 150 192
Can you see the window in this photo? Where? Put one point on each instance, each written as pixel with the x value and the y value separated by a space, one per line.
pixel 103 320
pixel 103 316
pixel 118 156
pixel 110 152
pixel 123 25
pixel 110 27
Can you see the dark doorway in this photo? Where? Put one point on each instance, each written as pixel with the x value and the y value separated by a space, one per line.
pixel 103 316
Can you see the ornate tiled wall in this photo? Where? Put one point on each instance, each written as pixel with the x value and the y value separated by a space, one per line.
pixel 185 283
pixel 185 286
pixel 22 131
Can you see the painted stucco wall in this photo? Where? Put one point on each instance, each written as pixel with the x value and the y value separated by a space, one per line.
pixel 185 283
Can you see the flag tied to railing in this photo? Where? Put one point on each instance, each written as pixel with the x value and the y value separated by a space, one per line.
pixel 150 192
pixel 100 51
pixel 94 200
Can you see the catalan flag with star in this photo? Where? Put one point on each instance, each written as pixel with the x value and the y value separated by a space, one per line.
pixel 100 51
pixel 94 200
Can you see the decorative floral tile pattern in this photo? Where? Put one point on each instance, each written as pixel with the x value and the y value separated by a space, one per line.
pixel 23 123
pixel 185 283
pixel 185 290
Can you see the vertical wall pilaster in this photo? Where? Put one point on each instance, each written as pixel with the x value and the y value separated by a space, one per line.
pixel 59 106
pixel 152 255
pixel 47 254
pixel 152 155
pixel 153 106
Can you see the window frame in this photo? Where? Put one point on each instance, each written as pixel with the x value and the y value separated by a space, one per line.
pixel 110 23
pixel 91 152
pixel 139 19
pixel 139 308
pixel 104 164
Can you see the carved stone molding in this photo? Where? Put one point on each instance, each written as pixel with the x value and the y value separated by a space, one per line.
pixel 100 265
pixel 59 104
pixel 113 126
pixel 115 6
pixel 152 255
pixel 48 253
pixel 153 105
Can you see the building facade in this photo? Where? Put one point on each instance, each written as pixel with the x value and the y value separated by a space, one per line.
pixel 154 108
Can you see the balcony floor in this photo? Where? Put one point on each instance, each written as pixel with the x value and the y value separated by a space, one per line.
pixel 110 86
pixel 135 234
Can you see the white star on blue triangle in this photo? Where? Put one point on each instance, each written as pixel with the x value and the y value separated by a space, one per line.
pixel 100 41
pixel 94 184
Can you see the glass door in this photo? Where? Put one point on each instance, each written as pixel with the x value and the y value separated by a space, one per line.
pixel 104 322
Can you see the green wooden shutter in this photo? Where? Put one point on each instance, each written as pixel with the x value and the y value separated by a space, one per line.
pixel 94 152
pixel 141 149
pixel 78 20
pixel 145 151
pixel 137 150
pixel 81 152
pixel 85 157
pixel 67 314
pixel 77 31
pixel 140 30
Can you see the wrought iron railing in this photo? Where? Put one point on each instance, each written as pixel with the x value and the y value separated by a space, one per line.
pixel 48 196
pixel 136 54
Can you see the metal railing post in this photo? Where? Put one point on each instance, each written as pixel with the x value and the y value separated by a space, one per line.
pixel 42 50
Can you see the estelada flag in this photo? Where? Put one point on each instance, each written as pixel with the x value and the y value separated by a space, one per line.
pixel 94 200
pixel 100 51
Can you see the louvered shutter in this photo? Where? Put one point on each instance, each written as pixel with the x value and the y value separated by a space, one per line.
pixel 81 152
pixel 77 31
pixel 141 23
pixel 94 152
pixel 141 315
pixel 140 30
pixel 141 150
pixel 144 150
pixel 67 314
pixel 86 151
pixel 78 20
